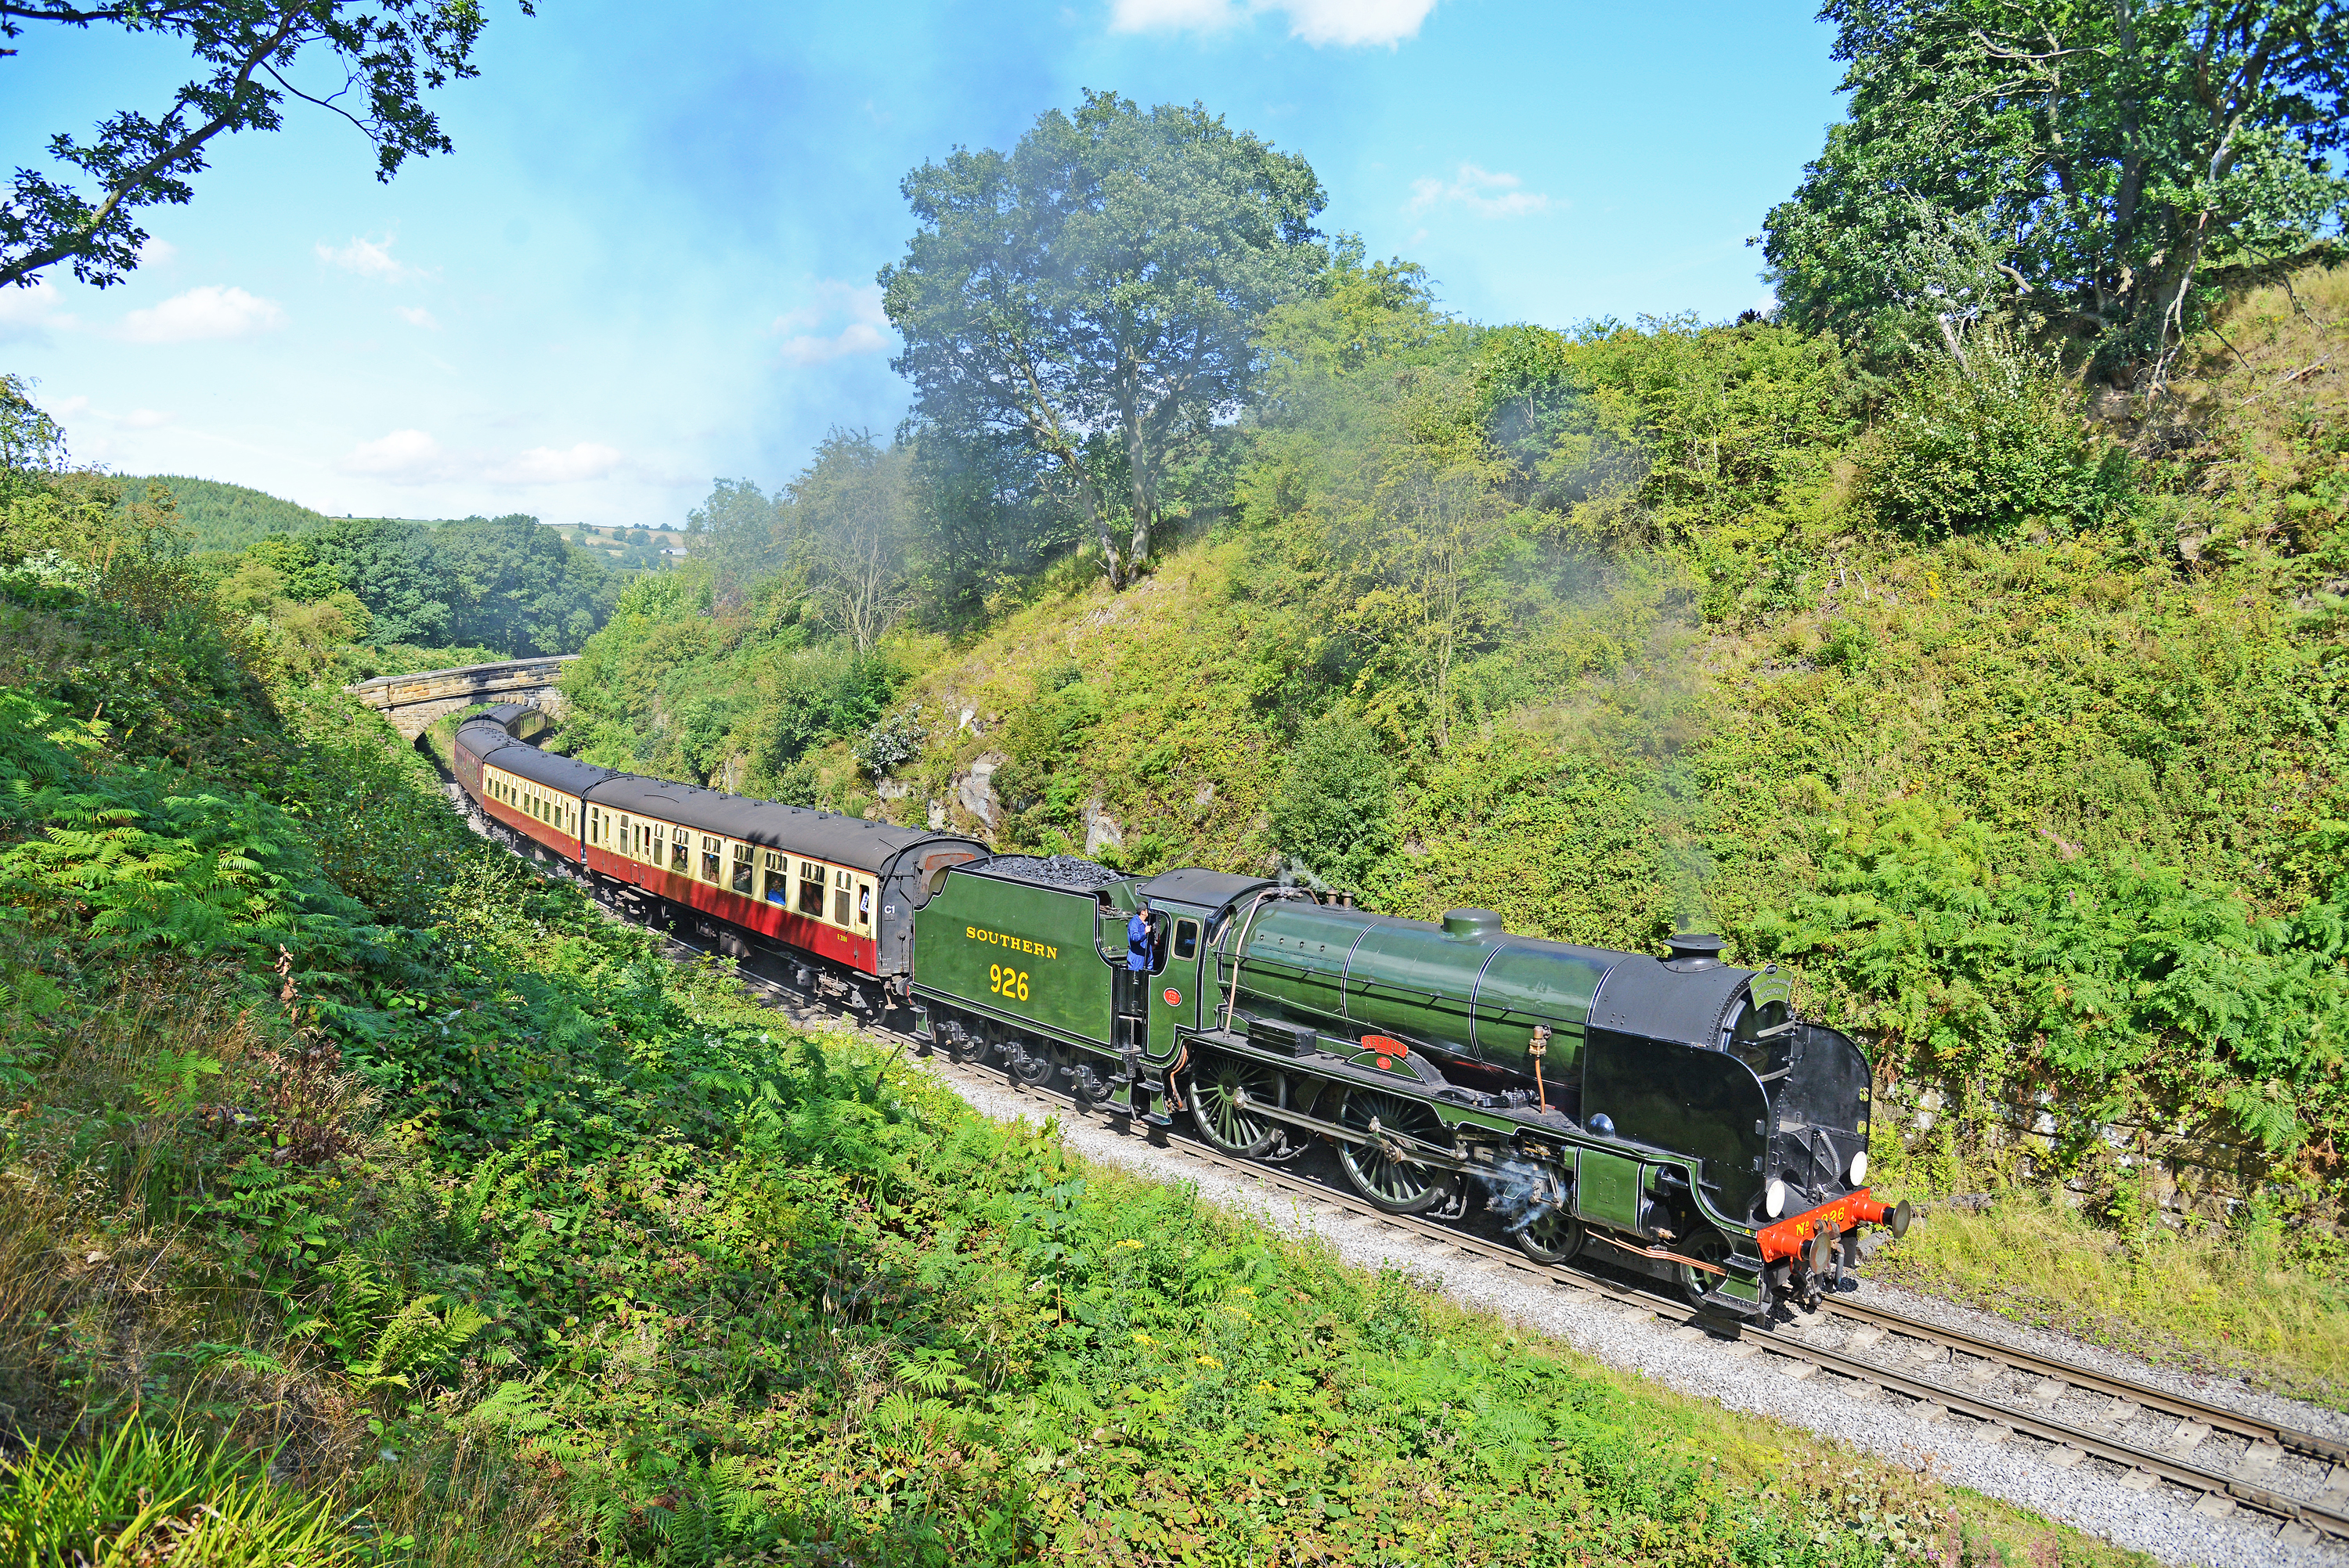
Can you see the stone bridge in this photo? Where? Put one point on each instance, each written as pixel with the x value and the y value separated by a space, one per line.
pixel 413 702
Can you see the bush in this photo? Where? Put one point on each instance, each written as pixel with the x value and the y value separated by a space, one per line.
pixel 1989 443
pixel 1331 811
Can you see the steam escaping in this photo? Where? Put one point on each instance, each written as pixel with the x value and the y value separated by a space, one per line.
pixel 1520 1191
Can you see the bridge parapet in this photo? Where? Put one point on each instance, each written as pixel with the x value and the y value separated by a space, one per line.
pixel 411 702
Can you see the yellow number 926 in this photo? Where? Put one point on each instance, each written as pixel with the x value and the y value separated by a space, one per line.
pixel 1005 981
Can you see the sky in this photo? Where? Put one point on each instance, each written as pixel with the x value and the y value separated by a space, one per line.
pixel 648 263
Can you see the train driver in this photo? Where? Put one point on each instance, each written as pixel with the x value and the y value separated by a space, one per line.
pixel 1137 939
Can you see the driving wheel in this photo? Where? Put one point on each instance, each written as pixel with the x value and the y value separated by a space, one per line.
pixel 1225 1094
pixel 1383 1166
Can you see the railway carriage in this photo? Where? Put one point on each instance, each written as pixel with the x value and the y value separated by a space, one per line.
pixel 833 894
pixel 1670 1114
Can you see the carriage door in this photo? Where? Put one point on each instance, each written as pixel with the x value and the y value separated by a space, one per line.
pixel 1175 957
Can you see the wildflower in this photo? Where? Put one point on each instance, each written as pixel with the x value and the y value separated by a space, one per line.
pixel 1243 1290
pixel 1128 1244
pixel 1207 1361
pixel 1143 1339
pixel 1264 1388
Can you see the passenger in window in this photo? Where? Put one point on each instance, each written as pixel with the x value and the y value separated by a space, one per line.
pixel 864 906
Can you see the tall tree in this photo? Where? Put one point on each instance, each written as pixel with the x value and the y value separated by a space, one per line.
pixel 1097 290
pixel 2087 165
pixel 854 502
pixel 388 52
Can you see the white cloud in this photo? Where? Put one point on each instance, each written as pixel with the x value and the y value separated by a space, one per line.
pixel 369 259
pixel 155 253
pixel 857 338
pixel 853 312
pixel 546 466
pixel 1482 191
pixel 1348 23
pixel 415 457
pixel 30 314
pixel 417 315
pixel 404 456
pixel 209 312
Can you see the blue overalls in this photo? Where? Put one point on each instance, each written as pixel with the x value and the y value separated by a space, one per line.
pixel 1137 944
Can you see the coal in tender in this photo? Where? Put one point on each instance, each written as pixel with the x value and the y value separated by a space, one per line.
pixel 1055 870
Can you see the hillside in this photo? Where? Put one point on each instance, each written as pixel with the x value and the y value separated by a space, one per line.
pixel 452 1223
pixel 1627 630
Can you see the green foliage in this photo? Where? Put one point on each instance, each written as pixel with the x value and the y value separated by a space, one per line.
pixel 1093 295
pixel 513 585
pixel 226 516
pixel 1990 441
pixel 2078 168
pixel 392 51
pixel 1333 809
pixel 141 1495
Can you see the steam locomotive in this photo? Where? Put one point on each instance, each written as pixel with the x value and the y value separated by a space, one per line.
pixel 1670 1115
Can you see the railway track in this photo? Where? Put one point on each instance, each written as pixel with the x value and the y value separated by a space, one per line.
pixel 2148 1438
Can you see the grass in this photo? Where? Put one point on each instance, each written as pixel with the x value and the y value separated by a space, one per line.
pixel 2214 1299
pixel 143 1496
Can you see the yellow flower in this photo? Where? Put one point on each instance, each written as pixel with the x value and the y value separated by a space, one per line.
pixel 1207 1361
pixel 1143 1339
pixel 1264 1388
pixel 1243 1290
pixel 1129 1244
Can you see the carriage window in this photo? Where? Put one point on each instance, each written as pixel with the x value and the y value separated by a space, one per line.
pixel 777 881
pixel 1187 939
pixel 710 862
pixel 811 889
pixel 626 839
pixel 864 906
pixel 680 852
pixel 741 868
pixel 840 880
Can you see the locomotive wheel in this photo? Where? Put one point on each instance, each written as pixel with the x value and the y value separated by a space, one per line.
pixel 1708 1245
pixel 1551 1236
pixel 1087 1086
pixel 1221 1092
pixel 1381 1169
pixel 964 1046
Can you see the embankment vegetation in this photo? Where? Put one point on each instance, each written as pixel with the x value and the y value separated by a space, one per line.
pixel 366 1197
pixel 1971 647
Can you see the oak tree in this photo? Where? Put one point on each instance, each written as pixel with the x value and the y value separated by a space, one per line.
pixel 1096 292
pixel 369 61
pixel 2085 167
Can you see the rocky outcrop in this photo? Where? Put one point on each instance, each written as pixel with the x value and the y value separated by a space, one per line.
pixel 1101 830
pixel 975 790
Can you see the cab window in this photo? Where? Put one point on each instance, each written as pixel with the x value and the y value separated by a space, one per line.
pixel 1187 939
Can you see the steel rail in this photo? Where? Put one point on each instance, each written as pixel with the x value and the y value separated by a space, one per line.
pixel 2326 1513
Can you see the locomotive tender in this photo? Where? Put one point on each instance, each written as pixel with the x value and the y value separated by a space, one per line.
pixel 1669 1115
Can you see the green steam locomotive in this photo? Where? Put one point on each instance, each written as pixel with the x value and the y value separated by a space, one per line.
pixel 1672 1115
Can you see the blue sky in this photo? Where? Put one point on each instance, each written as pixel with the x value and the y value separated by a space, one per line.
pixel 649 262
